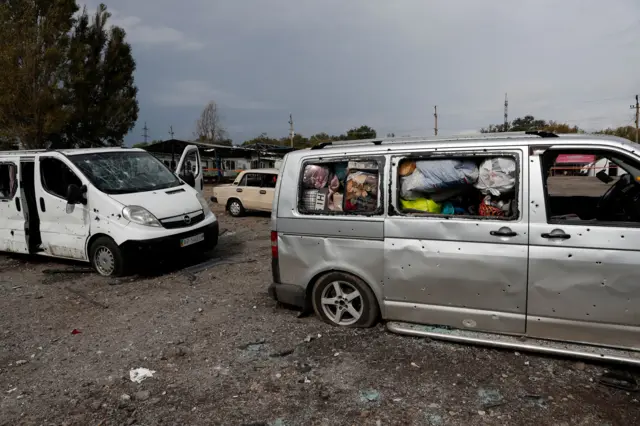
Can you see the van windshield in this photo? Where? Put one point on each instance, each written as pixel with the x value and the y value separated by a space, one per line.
pixel 125 172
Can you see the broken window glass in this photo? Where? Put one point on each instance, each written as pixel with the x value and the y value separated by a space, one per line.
pixel 57 176
pixel 8 181
pixel 125 172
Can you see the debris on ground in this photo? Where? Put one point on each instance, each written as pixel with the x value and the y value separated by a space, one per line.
pixel 620 380
pixel 369 395
pixel 139 374
pixel 21 362
pixel 75 331
pixel 490 398
pixel 253 346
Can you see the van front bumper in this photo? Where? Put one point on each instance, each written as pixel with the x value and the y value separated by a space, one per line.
pixel 170 245
pixel 288 294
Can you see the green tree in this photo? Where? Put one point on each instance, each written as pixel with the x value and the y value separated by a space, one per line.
pixel 100 89
pixel 66 81
pixel 530 123
pixel 34 41
pixel 627 132
pixel 262 139
pixel 140 145
pixel 362 132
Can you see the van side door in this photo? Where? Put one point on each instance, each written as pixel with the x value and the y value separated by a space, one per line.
pixel 12 215
pixel 64 227
pixel 267 191
pixel 448 260
pixel 190 168
pixel 584 281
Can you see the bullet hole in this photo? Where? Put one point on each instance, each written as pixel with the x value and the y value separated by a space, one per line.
pixel 538 319
pixel 594 306
pixel 553 310
pixel 598 263
pixel 621 236
pixel 570 255
pixel 588 230
pixel 537 205
pixel 579 235
pixel 587 314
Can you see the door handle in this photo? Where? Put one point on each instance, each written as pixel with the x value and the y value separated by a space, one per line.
pixel 262 191
pixel 42 205
pixel 238 189
pixel 556 235
pixel 503 232
pixel 18 204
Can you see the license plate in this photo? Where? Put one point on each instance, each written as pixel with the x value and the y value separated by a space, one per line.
pixel 191 240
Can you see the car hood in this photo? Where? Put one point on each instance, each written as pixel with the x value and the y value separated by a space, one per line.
pixel 162 203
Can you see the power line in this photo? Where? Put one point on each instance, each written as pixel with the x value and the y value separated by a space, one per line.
pixel 171 131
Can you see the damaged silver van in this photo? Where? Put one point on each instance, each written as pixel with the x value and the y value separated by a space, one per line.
pixel 526 240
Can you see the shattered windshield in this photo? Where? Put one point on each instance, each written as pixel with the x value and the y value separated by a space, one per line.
pixel 125 172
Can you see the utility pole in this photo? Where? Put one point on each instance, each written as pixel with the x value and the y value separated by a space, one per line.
pixel 637 108
pixel 145 135
pixel 171 131
pixel 435 117
pixel 291 133
pixel 506 113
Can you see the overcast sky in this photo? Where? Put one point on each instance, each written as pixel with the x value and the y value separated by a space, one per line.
pixel 337 64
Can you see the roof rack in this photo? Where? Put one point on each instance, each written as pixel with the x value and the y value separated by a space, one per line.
pixel 484 136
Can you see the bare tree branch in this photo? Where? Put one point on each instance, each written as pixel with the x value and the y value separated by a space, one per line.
pixel 209 126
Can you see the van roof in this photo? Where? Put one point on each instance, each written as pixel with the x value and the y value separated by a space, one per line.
pixel 68 152
pixel 274 171
pixel 482 140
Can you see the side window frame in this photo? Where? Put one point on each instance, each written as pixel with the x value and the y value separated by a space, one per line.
pixel 395 210
pixel 257 176
pixel 43 182
pixel 379 211
pixel 595 150
pixel 14 189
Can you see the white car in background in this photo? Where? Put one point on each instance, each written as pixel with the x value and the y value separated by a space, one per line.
pixel 251 190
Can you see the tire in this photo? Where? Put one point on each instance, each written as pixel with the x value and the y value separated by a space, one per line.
pixel 362 311
pixel 106 257
pixel 235 208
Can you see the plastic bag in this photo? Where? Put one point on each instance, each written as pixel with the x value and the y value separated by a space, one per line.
pixel 421 204
pixel 315 176
pixel 434 175
pixel 497 175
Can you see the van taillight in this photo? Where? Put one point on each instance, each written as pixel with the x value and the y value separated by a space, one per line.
pixel 274 244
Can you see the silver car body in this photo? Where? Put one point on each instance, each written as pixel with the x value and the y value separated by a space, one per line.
pixel 454 272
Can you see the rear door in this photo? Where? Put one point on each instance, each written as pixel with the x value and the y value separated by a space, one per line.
pixel 267 191
pixel 467 270
pixel 249 191
pixel 64 227
pixel 12 215
pixel 190 168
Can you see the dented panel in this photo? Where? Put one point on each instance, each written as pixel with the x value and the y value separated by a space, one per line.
pixel 303 257
pixel 585 288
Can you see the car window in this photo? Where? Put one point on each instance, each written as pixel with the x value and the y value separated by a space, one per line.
pixel 341 187
pixel 57 176
pixel 8 181
pixel 253 179
pixel 462 186
pixel 269 180
pixel 591 186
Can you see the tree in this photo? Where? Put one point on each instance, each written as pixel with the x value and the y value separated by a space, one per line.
pixel 362 132
pixel 530 123
pixel 262 139
pixel 65 81
pixel 100 89
pixel 34 41
pixel 209 126
pixel 140 145
pixel 627 132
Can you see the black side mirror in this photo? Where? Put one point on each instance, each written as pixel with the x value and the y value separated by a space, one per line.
pixel 75 194
pixel 604 177
pixel 189 179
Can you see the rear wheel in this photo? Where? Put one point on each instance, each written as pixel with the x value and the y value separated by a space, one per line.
pixel 344 300
pixel 106 257
pixel 235 208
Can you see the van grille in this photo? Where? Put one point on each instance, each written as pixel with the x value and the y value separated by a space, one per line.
pixel 183 220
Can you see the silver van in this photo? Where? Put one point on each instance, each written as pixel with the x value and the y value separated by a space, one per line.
pixel 516 240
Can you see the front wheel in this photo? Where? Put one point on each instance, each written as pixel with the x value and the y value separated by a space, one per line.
pixel 235 208
pixel 106 257
pixel 344 300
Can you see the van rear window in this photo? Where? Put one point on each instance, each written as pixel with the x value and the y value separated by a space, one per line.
pixel 471 186
pixel 340 187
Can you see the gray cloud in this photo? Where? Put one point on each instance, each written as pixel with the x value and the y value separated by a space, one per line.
pixel 338 64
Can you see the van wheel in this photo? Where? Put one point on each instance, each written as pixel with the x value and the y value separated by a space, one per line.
pixel 235 208
pixel 106 257
pixel 344 300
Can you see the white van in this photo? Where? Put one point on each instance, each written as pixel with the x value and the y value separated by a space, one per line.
pixel 107 206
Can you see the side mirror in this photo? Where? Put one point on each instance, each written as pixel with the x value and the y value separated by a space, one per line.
pixel 189 179
pixel 604 177
pixel 75 194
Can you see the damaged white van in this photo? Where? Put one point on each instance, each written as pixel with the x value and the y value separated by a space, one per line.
pixel 106 206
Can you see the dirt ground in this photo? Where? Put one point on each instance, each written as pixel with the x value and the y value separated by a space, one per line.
pixel 224 353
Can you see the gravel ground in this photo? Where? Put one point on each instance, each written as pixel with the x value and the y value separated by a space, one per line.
pixel 224 353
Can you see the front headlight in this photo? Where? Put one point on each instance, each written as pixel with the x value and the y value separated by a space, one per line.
pixel 203 203
pixel 140 215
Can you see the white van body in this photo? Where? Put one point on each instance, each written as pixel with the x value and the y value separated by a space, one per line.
pixel 106 206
